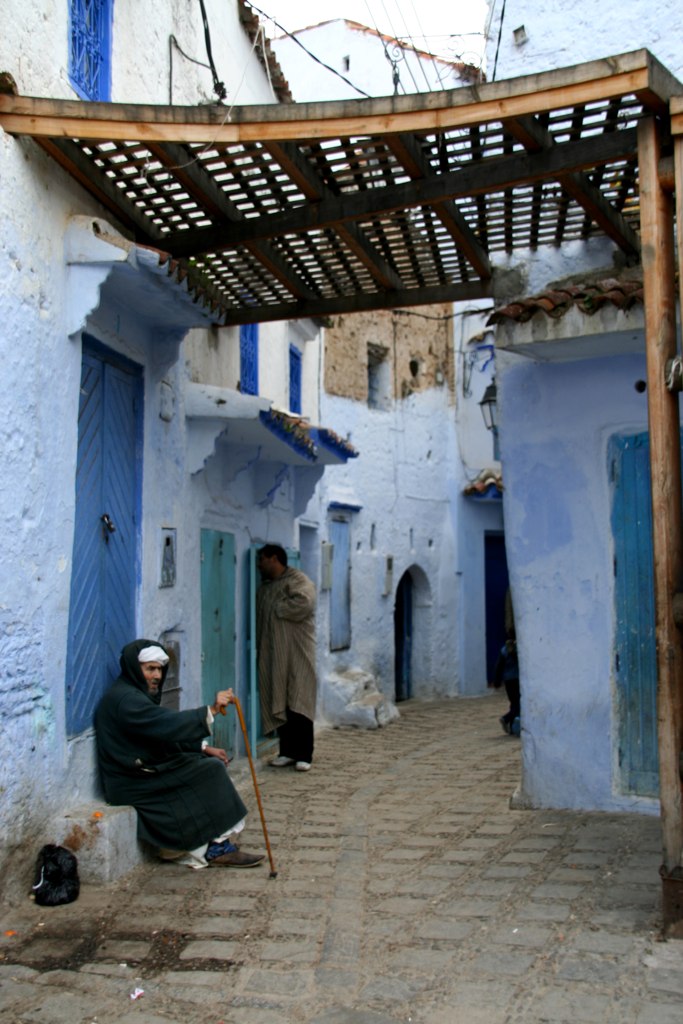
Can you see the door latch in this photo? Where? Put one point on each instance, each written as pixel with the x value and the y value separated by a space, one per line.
pixel 107 526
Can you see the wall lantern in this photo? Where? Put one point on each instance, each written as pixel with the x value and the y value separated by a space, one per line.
pixel 489 407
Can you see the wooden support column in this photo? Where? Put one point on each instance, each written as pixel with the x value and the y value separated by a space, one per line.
pixel 657 235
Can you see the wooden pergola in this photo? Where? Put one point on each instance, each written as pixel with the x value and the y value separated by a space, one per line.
pixel 308 210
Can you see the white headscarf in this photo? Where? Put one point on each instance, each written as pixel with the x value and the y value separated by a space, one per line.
pixel 153 654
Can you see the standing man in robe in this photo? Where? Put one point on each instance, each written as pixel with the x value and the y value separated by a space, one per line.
pixel 285 631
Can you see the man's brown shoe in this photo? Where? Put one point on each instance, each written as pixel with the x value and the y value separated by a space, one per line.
pixel 237 859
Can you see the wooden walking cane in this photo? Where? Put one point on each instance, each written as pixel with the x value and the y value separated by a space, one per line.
pixel 235 701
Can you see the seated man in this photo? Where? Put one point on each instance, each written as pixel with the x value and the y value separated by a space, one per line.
pixel 158 761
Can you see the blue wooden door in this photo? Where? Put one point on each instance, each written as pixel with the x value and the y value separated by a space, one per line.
pixel 340 592
pixel 106 528
pixel 496 583
pixel 218 627
pixel 635 657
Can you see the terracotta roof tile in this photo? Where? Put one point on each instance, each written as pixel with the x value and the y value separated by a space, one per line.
pixel 588 297
pixel 487 478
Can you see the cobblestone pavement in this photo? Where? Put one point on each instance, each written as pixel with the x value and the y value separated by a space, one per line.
pixel 407 891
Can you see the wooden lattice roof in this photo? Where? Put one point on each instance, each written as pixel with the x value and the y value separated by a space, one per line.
pixel 287 211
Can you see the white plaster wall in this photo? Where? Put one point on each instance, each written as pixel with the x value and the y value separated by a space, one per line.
pixel 42 303
pixel 34 49
pixel 581 30
pixel 369 68
pixel 559 546
pixel 401 480
pixel 41 380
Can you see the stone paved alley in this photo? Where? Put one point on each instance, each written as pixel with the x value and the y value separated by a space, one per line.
pixel 407 891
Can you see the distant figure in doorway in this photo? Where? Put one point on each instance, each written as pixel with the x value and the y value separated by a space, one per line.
pixel 506 673
pixel 285 634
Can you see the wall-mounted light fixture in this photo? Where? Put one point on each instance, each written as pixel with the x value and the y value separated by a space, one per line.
pixel 489 406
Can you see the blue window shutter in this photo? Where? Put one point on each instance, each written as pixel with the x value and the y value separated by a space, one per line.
pixel 249 359
pixel 90 24
pixel 294 379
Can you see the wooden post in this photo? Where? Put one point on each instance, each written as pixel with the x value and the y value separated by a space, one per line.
pixel 656 225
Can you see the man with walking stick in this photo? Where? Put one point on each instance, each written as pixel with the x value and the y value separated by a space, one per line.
pixel 160 762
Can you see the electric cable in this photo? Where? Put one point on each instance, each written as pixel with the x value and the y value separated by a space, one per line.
pixel 500 35
pixel 298 42
pixel 172 41
pixel 418 53
pixel 218 86
pixel 394 64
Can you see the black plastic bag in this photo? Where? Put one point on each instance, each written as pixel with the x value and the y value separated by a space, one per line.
pixel 56 878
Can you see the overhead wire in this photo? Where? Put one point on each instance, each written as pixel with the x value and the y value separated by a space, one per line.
pixel 298 42
pixel 218 86
pixel 434 58
pixel 418 54
pixel 382 37
pixel 500 35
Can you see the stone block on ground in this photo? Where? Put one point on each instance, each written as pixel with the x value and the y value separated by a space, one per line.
pixel 103 839
pixel 351 698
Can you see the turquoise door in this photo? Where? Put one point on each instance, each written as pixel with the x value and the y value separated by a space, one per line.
pixel 106 527
pixel 218 628
pixel 635 657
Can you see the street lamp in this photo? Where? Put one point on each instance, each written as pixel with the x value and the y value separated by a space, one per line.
pixel 489 407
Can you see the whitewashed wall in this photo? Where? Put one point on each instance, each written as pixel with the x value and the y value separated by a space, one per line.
pixel 403 481
pixel 580 30
pixel 556 421
pixel 44 305
pixel 360 55
pixel 560 418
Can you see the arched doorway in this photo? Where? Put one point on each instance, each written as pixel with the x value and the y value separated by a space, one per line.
pixel 403 638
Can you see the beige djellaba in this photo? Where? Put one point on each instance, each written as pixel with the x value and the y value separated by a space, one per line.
pixel 285 630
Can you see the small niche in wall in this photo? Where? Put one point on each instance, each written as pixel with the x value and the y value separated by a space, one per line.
pixel 170 695
pixel 167 572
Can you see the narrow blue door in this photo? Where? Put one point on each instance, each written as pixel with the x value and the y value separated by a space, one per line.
pixel 218 627
pixel 105 551
pixel 340 592
pixel 496 582
pixel 403 638
pixel 635 657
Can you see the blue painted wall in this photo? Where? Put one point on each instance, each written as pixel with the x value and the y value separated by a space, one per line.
pixel 556 422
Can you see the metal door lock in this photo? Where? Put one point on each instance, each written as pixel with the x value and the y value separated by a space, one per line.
pixel 107 527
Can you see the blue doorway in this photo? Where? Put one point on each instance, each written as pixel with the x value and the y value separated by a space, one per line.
pixel 496 583
pixel 218 628
pixel 104 569
pixel 635 656
pixel 403 638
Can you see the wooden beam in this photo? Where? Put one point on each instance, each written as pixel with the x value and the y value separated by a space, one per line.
pixel 410 156
pixel 490 175
pixel 621 75
pixel 358 243
pixel 69 156
pixel 536 139
pixel 656 219
pixel 182 163
pixel 361 302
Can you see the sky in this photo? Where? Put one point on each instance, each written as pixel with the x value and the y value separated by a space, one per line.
pixel 452 30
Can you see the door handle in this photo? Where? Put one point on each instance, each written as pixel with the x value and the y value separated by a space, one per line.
pixel 107 526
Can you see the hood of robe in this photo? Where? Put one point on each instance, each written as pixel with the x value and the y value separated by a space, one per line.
pixel 131 669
